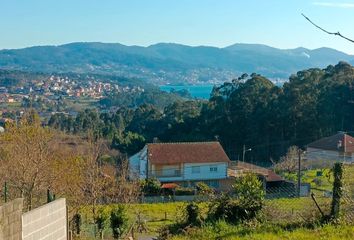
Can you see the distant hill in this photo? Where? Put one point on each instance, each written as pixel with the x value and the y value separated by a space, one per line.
pixel 168 62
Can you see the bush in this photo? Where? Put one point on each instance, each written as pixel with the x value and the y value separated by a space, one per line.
pixel 77 223
pixel 247 205
pixel 191 218
pixel 180 191
pixel 193 215
pixel 204 189
pixel 100 221
pixel 119 221
pixel 231 211
pixel 151 187
pixel 250 192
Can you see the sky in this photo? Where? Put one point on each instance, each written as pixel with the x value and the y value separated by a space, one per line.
pixel 219 23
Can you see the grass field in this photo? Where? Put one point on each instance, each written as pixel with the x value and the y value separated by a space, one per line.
pixel 158 215
pixel 154 216
pixel 277 212
pixel 224 231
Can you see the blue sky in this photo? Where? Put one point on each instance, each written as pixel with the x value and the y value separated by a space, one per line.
pixel 218 23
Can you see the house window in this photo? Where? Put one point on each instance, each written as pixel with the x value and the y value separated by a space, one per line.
pixel 213 169
pixel 195 169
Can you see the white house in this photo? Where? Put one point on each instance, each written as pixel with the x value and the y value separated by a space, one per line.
pixel 182 163
pixel 339 147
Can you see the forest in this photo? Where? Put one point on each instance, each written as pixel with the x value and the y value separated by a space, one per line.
pixel 250 110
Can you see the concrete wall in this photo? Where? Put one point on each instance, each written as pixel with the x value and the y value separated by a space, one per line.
pixel 48 222
pixel 10 220
pixel 323 158
pixel 204 171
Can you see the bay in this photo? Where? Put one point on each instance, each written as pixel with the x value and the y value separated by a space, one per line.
pixel 197 91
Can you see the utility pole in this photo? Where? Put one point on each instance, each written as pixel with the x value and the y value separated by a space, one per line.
pixel 299 173
pixel 244 152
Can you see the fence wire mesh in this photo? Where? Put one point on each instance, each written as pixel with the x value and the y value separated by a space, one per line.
pixel 286 203
pixel 347 208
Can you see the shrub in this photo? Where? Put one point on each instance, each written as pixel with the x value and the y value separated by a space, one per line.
pixel 204 189
pixel 230 210
pixel 180 191
pixel 119 221
pixel 190 219
pixel 77 223
pixel 100 221
pixel 193 215
pixel 151 187
pixel 247 205
pixel 250 192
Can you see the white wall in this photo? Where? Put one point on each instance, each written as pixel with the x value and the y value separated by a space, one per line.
pixel 137 164
pixel 46 222
pixel 318 157
pixel 205 173
pixel 134 166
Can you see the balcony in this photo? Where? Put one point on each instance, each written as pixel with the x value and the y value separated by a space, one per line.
pixel 168 174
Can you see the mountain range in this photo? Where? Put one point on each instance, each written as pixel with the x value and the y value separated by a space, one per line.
pixel 168 62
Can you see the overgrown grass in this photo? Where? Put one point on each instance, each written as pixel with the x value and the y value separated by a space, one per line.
pixel 222 230
pixel 285 211
pixel 323 182
pixel 154 215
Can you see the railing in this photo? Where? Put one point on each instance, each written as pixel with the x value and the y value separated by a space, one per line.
pixel 161 174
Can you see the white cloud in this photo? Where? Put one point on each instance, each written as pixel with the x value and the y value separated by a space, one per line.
pixel 334 4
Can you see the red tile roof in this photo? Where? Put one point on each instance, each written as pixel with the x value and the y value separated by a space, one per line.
pixel 191 152
pixel 240 168
pixel 273 177
pixel 169 185
pixel 339 142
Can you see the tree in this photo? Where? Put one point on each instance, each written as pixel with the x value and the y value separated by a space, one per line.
pixel 289 162
pixel 119 221
pixel 129 142
pixel 97 177
pixel 26 158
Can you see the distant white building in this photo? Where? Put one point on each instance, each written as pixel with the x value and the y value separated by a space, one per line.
pixel 339 147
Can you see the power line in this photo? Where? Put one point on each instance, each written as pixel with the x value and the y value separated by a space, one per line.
pixel 328 32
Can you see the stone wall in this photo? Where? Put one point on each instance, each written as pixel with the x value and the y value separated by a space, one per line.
pixel 10 220
pixel 46 222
